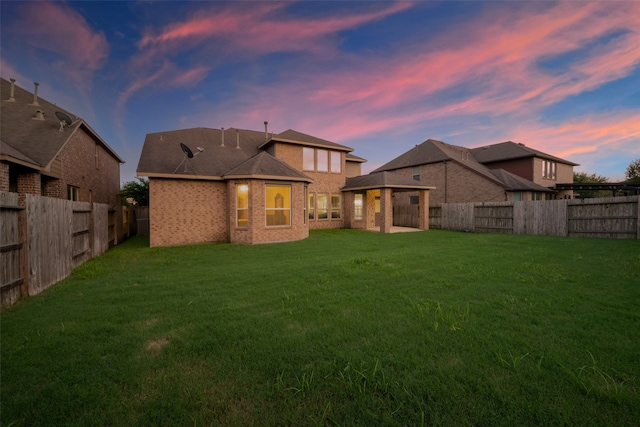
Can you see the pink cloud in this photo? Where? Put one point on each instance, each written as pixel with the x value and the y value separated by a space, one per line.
pixel 257 28
pixel 59 29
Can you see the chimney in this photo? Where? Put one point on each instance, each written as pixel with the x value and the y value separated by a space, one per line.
pixel 35 94
pixel 238 139
pixel 222 131
pixel 12 93
pixel 266 134
pixel 39 115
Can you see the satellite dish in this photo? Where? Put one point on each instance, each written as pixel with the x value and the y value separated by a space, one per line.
pixel 188 154
pixel 186 150
pixel 65 120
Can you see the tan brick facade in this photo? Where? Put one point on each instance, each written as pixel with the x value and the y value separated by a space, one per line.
pixel 195 211
pixel 187 211
pixel 328 183
pixel 454 184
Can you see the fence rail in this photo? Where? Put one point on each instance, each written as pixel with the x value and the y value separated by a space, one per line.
pixel 614 217
pixel 42 241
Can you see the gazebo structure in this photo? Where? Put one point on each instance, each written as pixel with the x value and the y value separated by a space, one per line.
pixel 369 200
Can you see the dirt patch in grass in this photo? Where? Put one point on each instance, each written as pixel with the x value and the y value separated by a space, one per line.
pixel 155 347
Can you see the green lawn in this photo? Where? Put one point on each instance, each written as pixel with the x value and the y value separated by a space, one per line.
pixel 345 328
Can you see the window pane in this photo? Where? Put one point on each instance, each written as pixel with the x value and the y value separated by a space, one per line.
pixel 323 206
pixel 312 207
pixel 278 197
pixel 358 207
pixel 336 162
pixel 242 208
pixel 335 206
pixel 308 163
pixel 278 205
pixel 323 160
pixel 416 173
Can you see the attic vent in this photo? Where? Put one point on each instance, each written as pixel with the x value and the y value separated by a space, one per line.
pixel 12 93
pixel 35 94
pixel 39 115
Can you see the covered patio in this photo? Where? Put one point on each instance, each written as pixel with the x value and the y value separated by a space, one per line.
pixel 369 201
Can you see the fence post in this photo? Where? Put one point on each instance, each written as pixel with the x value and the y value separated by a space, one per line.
pixel 638 219
pixel 24 252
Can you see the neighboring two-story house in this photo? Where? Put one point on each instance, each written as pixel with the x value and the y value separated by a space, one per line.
pixel 245 186
pixel 501 172
pixel 46 150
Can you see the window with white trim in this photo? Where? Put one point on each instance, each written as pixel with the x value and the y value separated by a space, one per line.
pixel 72 193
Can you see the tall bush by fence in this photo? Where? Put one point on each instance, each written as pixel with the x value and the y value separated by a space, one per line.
pixel 614 217
pixel 45 239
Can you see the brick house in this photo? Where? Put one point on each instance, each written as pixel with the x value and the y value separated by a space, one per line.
pixel 501 172
pixel 42 156
pixel 245 186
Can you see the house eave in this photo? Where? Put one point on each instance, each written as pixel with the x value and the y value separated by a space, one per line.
pixel 269 177
pixel 394 187
pixel 306 144
pixel 179 176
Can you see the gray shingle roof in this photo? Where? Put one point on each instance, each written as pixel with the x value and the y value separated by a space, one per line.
pixel 27 139
pixel 510 150
pixel 242 154
pixel 383 180
pixel 517 183
pixel 295 137
pixel 430 151
pixel 263 165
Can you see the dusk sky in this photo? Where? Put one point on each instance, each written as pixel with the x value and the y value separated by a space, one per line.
pixel 377 76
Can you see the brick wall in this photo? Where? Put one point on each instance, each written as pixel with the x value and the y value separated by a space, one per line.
pixel 323 182
pixel 99 179
pixel 455 182
pixel 4 177
pixel 85 164
pixel 187 211
pixel 28 183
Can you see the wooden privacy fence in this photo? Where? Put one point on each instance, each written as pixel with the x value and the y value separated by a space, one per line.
pixel 45 239
pixel 614 217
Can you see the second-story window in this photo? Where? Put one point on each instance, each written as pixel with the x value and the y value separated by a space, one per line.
pixel 416 173
pixel 308 159
pixel 323 160
pixel 549 169
pixel 336 162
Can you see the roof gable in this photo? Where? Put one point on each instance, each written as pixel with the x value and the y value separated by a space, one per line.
pixel 430 151
pixel 383 180
pixel 36 138
pixel 264 166
pixel 510 150
pixel 294 137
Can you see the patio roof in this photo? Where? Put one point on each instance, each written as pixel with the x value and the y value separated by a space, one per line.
pixel 384 180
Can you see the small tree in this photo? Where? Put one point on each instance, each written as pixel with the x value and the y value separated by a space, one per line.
pixel 590 178
pixel 135 192
pixel 633 171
